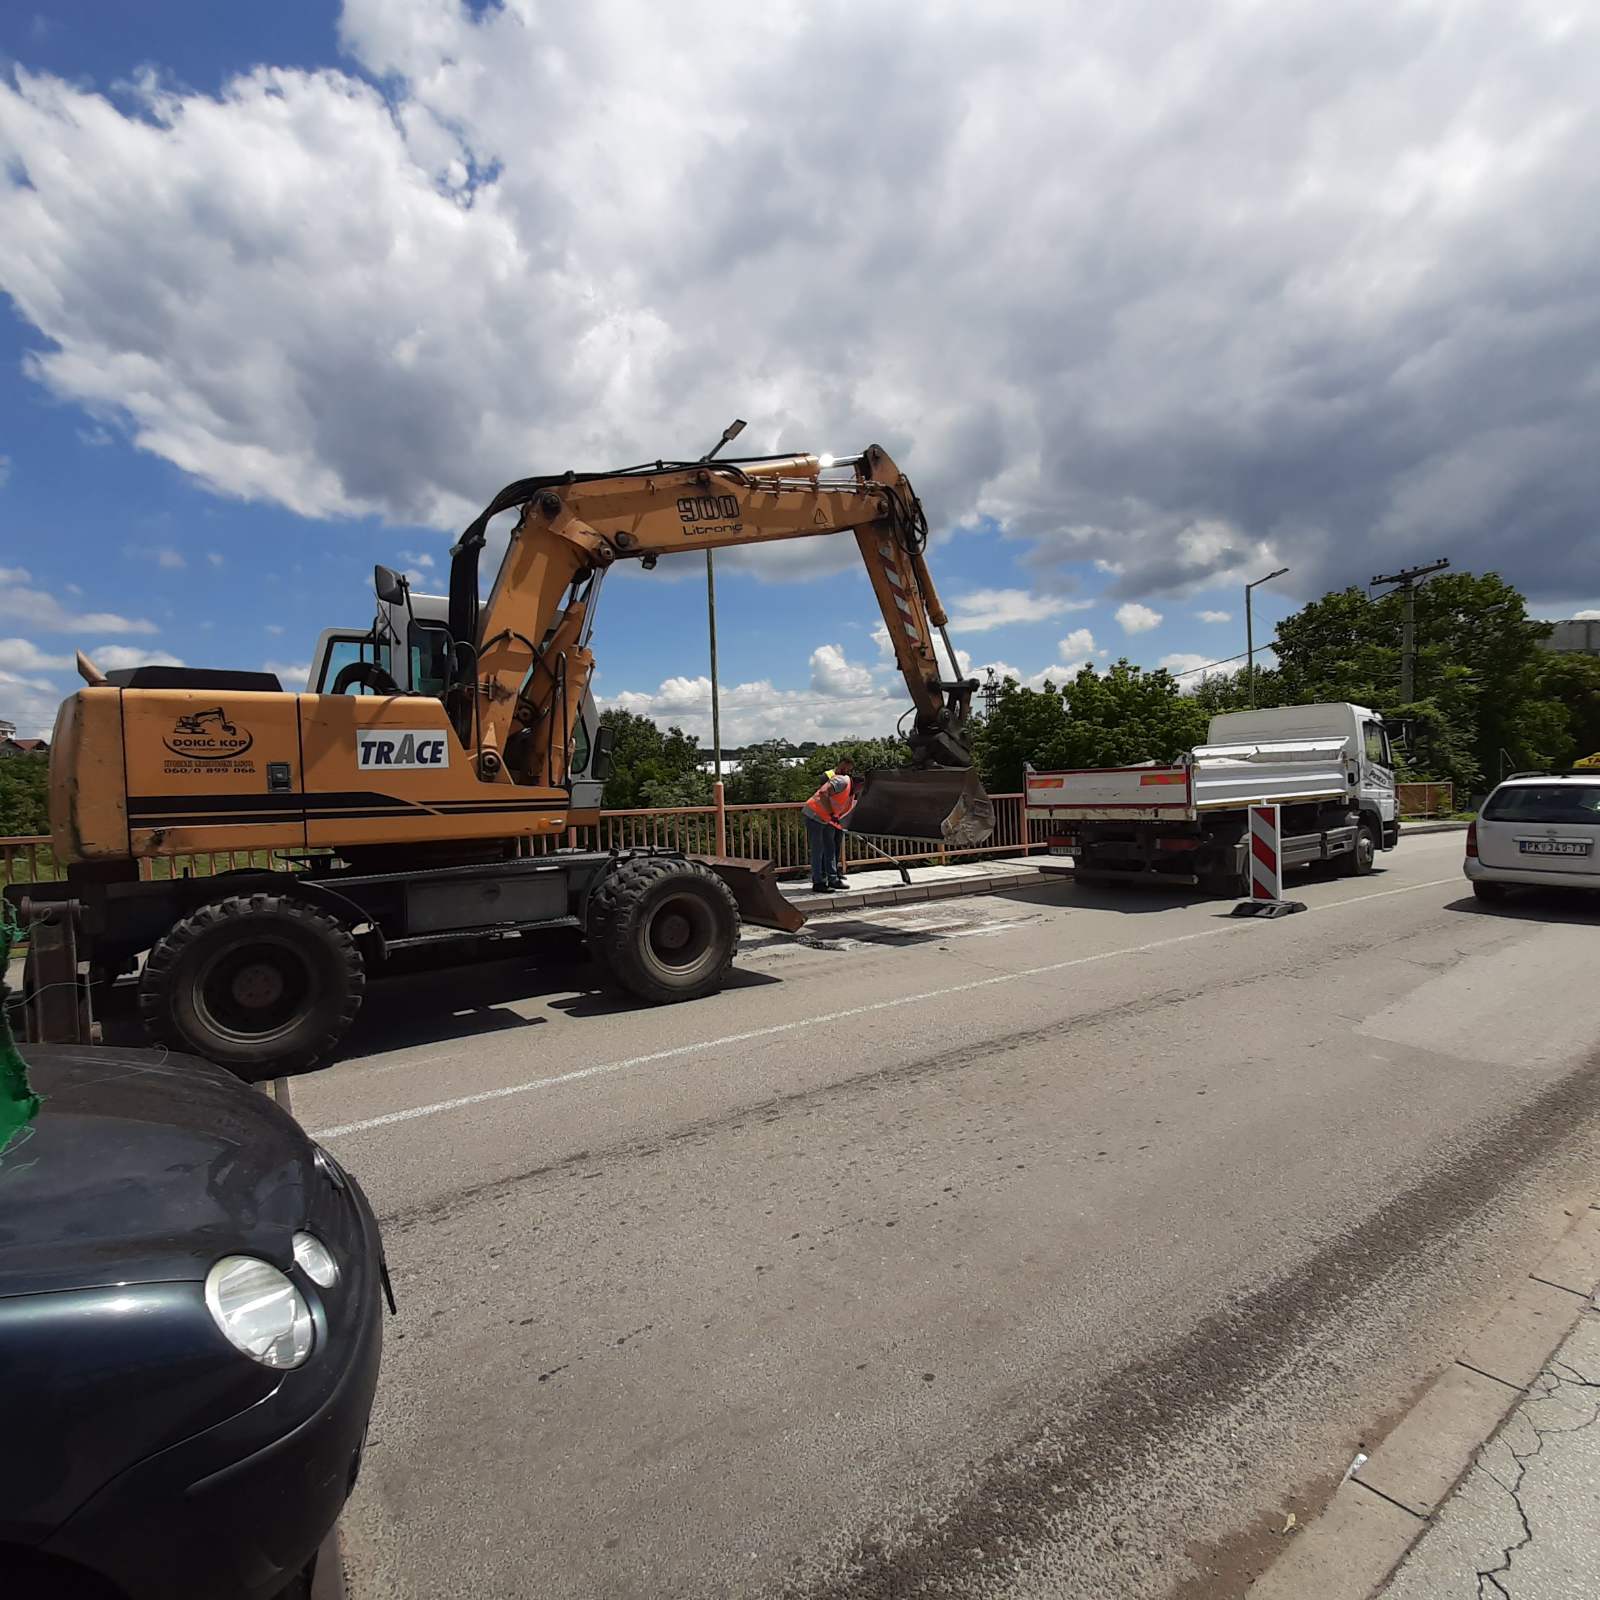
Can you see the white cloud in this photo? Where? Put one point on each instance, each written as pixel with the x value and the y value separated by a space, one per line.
pixel 880 637
pixel 214 558
pixel 1215 616
pixel 21 655
pixel 1204 308
pixel 416 558
pixel 1136 618
pixel 44 613
pixel 162 555
pixel 831 674
pixel 1078 643
pixel 97 438
pixel 5 471
pixel 759 710
pixel 1586 616
pixel 292 674
pixel 1184 661
pixel 982 609
pixel 274 628
pixel 116 657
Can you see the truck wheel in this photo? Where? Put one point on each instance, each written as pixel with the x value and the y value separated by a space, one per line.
pixel 1363 856
pixel 664 929
pixel 262 984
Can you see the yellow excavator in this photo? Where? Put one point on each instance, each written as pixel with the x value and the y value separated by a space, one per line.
pixel 403 792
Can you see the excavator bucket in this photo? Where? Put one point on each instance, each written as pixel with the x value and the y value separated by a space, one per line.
pixel 755 889
pixel 944 804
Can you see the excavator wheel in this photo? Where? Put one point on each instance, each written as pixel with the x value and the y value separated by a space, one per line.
pixel 663 928
pixel 262 984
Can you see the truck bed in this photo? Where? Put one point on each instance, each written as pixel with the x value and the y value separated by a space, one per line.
pixel 1215 778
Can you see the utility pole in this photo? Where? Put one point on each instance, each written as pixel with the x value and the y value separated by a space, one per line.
pixel 1250 634
pixel 732 431
pixel 990 692
pixel 1407 582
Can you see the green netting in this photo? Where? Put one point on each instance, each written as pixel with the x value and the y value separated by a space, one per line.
pixel 19 1105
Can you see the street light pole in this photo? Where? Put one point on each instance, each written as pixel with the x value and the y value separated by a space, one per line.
pixel 1250 635
pixel 731 432
pixel 716 708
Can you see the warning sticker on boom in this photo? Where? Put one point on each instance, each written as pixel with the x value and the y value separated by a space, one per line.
pixel 413 748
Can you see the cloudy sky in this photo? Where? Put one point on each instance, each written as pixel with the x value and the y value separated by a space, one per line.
pixel 1148 298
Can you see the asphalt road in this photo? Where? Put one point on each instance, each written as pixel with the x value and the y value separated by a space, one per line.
pixel 1052 1243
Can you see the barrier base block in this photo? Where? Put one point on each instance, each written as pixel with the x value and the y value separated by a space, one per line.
pixel 1267 908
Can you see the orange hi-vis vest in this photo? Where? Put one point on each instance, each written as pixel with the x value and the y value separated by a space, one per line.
pixel 829 803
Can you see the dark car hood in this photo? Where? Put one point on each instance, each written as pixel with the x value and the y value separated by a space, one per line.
pixel 144 1167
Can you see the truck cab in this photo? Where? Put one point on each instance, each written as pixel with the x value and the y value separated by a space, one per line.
pixel 1365 747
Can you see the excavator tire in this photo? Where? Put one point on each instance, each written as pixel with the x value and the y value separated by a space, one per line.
pixel 261 984
pixel 663 928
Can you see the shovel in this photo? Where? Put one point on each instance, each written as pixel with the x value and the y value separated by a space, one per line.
pixel 899 866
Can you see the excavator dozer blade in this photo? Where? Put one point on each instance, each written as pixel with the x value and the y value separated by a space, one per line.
pixel 754 887
pixel 944 804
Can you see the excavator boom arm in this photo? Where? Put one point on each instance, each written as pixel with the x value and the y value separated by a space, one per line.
pixel 528 643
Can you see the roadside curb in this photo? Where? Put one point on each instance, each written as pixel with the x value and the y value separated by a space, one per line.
pixel 1387 1502
pixel 937 889
pixel 1408 829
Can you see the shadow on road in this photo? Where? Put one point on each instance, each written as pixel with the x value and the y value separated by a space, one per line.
pixel 1535 905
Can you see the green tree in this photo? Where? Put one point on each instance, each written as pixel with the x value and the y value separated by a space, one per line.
pixel 1572 681
pixel 649 767
pixel 1479 701
pixel 24 794
pixel 1116 718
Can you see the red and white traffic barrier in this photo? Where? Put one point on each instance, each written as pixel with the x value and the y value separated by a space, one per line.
pixel 1266 854
pixel 1266 868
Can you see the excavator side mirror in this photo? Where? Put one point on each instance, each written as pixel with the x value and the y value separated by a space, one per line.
pixel 389 585
pixel 600 763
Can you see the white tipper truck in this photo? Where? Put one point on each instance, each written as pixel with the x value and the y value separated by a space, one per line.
pixel 1328 766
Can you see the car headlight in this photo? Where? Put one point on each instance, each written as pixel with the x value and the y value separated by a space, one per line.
pixel 259 1311
pixel 315 1259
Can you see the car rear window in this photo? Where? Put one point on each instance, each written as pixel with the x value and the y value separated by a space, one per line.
pixel 1545 802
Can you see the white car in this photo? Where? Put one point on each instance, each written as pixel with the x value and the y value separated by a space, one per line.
pixel 1537 830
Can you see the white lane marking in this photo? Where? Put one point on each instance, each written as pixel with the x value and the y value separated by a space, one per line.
pixel 603 1069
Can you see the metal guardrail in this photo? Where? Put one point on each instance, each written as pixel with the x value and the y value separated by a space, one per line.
pixel 766 832
pixel 1425 799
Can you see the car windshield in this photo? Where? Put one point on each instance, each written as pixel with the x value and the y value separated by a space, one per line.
pixel 1545 802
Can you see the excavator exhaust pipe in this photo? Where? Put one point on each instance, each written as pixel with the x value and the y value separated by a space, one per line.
pixel 946 805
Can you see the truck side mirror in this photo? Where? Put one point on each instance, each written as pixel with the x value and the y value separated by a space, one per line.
pixel 600 763
pixel 389 585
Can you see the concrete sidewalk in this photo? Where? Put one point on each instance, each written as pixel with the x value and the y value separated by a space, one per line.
pixel 1524 1523
pixel 882 886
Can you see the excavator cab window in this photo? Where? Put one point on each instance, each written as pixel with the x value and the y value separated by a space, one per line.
pixel 430 658
pixel 344 650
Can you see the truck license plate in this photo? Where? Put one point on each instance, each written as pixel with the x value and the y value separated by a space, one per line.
pixel 1553 847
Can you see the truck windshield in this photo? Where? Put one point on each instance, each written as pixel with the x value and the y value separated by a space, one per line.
pixel 1377 742
pixel 1545 802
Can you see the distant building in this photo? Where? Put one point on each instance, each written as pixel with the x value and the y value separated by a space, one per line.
pixel 12 746
pixel 1581 637
pixel 7 729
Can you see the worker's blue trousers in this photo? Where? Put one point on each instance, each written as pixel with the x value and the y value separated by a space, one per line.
pixel 824 842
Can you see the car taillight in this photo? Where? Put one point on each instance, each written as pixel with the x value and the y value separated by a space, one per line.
pixel 1472 840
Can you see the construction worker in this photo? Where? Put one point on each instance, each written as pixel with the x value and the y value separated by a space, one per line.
pixel 824 815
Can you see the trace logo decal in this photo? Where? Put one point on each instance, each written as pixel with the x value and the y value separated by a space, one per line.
pixel 416 749
pixel 208 736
